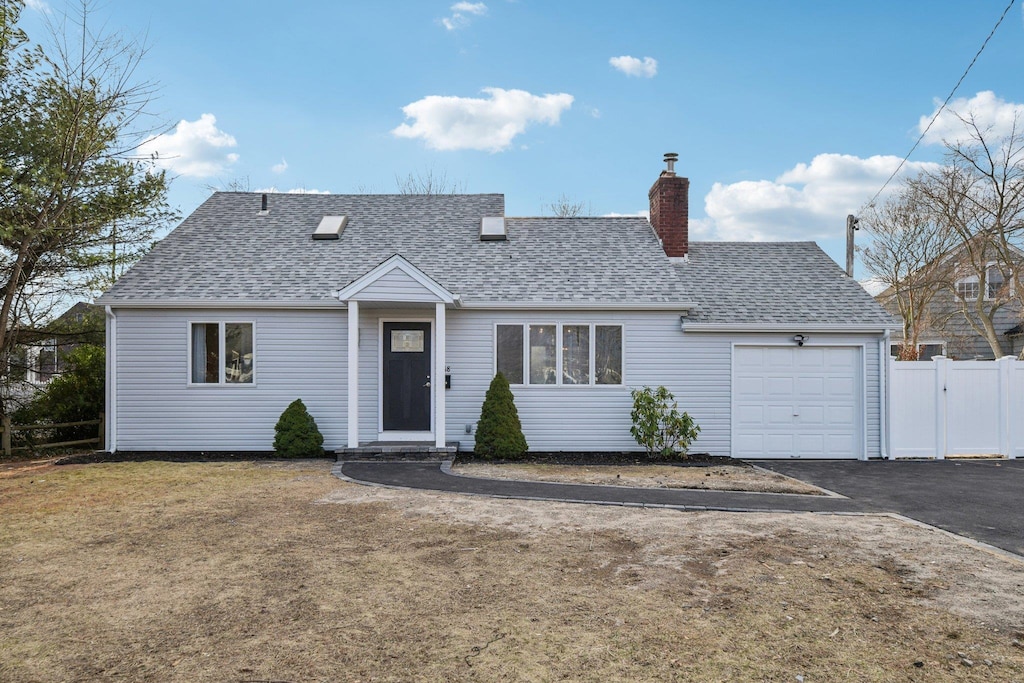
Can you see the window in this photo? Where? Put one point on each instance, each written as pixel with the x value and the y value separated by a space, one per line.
pixel 994 282
pixel 968 288
pixel 542 355
pixel 221 353
pixel 575 354
pixel 510 352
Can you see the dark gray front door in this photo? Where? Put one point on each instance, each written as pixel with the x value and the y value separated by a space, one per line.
pixel 406 385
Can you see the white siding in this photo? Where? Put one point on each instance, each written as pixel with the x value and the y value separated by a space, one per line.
pixel 397 285
pixel 298 354
pixel 696 367
pixel 302 354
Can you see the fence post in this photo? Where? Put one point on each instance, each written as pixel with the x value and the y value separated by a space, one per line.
pixel 102 443
pixel 1005 365
pixel 7 436
pixel 941 369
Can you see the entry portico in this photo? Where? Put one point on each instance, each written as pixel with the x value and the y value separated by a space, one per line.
pixel 410 358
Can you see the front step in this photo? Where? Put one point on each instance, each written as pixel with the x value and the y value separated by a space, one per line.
pixel 400 450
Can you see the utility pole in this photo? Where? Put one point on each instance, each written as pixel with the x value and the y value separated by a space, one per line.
pixel 851 225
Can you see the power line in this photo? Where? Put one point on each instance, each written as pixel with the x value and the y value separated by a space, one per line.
pixel 940 109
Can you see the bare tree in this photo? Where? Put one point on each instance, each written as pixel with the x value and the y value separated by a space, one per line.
pixel 978 194
pixel 907 255
pixel 429 181
pixel 568 207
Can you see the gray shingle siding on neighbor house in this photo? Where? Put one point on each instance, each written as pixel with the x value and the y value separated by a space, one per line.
pixel 227 263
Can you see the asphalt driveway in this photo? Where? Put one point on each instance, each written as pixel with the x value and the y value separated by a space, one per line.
pixel 979 499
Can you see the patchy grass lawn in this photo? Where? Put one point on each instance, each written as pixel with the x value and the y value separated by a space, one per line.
pixel 716 477
pixel 271 571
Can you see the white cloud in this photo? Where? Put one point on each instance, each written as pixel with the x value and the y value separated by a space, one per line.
pixel 461 14
pixel 38 5
pixel 992 113
pixel 294 190
pixel 873 286
pixel 196 148
pixel 451 123
pixel 631 66
pixel 807 202
pixel 644 213
pixel 280 168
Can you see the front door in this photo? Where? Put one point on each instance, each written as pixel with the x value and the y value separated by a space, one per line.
pixel 406 377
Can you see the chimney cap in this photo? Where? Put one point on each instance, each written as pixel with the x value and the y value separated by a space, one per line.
pixel 670 161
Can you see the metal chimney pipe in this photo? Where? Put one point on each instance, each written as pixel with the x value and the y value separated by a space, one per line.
pixel 263 204
pixel 670 162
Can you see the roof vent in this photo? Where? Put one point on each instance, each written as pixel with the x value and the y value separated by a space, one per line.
pixel 330 227
pixel 263 206
pixel 492 229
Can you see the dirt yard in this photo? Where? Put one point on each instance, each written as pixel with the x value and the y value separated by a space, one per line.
pixel 716 477
pixel 279 572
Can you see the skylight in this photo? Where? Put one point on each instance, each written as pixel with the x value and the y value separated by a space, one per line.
pixel 330 227
pixel 492 229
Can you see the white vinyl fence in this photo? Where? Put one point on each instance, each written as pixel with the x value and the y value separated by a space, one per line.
pixel 945 407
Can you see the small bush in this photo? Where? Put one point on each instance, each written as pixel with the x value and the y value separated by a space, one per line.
pixel 499 433
pixel 296 434
pixel 658 425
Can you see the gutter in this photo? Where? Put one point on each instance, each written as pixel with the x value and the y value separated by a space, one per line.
pixel 583 305
pixel 110 437
pixel 332 304
pixel 785 327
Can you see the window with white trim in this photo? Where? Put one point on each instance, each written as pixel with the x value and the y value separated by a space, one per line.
pixel 567 354
pixel 969 287
pixel 221 353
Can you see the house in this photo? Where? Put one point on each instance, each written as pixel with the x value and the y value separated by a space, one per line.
pixel 40 354
pixel 390 314
pixel 951 322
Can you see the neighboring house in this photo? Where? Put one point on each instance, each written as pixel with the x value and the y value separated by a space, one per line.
pixel 947 331
pixel 42 355
pixel 390 314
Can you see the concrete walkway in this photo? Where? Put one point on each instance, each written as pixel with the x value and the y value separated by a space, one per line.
pixel 980 500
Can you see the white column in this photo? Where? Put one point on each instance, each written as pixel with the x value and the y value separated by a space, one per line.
pixel 353 374
pixel 440 333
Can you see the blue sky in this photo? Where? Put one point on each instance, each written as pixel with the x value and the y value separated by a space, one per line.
pixel 786 116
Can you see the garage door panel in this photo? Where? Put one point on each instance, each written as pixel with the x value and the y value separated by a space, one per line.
pixel 779 415
pixel 778 387
pixel 750 387
pixel 803 402
pixel 777 357
pixel 811 415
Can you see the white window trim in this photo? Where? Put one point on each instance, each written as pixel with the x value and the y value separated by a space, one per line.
pixel 221 340
pixel 526 384
pixel 982 283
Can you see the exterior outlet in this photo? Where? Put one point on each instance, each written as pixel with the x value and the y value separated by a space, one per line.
pixel 469 428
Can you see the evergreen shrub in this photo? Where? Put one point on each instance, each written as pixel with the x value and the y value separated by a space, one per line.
pixel 296 434
pixel 499 434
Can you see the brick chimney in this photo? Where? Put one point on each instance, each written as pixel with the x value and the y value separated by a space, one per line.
pixel 670 209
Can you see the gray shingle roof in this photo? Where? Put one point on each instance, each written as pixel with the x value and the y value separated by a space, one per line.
pixel 774 283
pixel 225 252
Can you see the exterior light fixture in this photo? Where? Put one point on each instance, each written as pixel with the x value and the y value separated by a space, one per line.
pixel 800 339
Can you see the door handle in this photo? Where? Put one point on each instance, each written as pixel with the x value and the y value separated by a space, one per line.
pixel 427 384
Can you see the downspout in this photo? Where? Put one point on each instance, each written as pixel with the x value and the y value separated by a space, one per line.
pixel 883 397
pixel 111 378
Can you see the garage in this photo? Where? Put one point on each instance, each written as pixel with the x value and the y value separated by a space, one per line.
pixel 797 401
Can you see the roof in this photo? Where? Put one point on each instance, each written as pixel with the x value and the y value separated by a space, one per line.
pixel 225 252
pixel 775 283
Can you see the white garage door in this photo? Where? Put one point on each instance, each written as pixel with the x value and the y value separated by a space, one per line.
pixel 797 402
